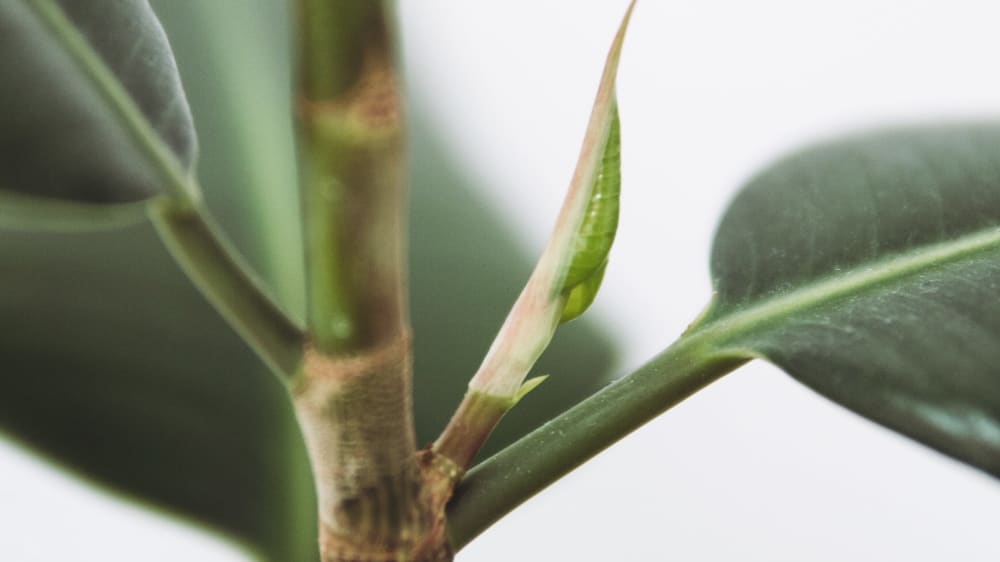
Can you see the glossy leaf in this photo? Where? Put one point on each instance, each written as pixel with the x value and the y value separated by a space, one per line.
pixel 92 111
pixel 869 269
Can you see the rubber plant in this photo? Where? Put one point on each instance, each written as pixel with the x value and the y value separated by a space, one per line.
pixel 868 268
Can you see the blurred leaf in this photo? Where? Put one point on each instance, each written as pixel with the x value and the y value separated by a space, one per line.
pixel 869 269
pixel 27 212
pixel 116 367
pixel 91 108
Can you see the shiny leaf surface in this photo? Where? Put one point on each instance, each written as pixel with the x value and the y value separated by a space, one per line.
pixel 869 269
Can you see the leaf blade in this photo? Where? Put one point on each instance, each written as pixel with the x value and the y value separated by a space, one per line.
pixel 854 266
pixel 93 111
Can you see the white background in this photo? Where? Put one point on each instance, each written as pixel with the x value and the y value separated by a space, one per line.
pixel 755 468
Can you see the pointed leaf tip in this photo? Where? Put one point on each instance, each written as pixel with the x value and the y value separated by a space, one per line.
pixel 528 386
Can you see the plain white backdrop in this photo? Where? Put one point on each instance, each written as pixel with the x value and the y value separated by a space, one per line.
pixel 756 467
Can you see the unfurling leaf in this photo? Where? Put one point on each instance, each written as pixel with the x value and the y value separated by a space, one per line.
pixel 528 386
pixel 597 233
pixel 580 296
pixel 92 113
pixel 569 272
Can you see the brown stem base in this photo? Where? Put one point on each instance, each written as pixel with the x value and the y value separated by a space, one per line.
pixel 379 499
pixel 338 548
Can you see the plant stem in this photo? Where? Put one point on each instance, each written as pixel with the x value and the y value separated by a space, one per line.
pixel 352 397
pixel 362 448
pixel 470 426
pixel 220 274
pixel 351 145
pixel 510 477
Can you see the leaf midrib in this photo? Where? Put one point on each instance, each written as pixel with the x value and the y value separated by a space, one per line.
pixel 117 99
pixel 857 280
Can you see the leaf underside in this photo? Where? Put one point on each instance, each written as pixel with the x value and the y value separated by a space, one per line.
pixel 63 138
pixel 869 270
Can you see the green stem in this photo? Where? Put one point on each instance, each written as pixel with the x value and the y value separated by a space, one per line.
pixel 227 282
pixel 352 396
pixel 333 37
pixel 350 139
pixel 507 479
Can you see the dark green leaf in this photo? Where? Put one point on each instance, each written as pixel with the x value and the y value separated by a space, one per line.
pixel 116 367
pixel 92 111
pixel 869 269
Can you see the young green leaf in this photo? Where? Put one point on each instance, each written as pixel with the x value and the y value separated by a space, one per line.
pixel 449 338
pixel 92 113
pixel 569 272
pixel 597 232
